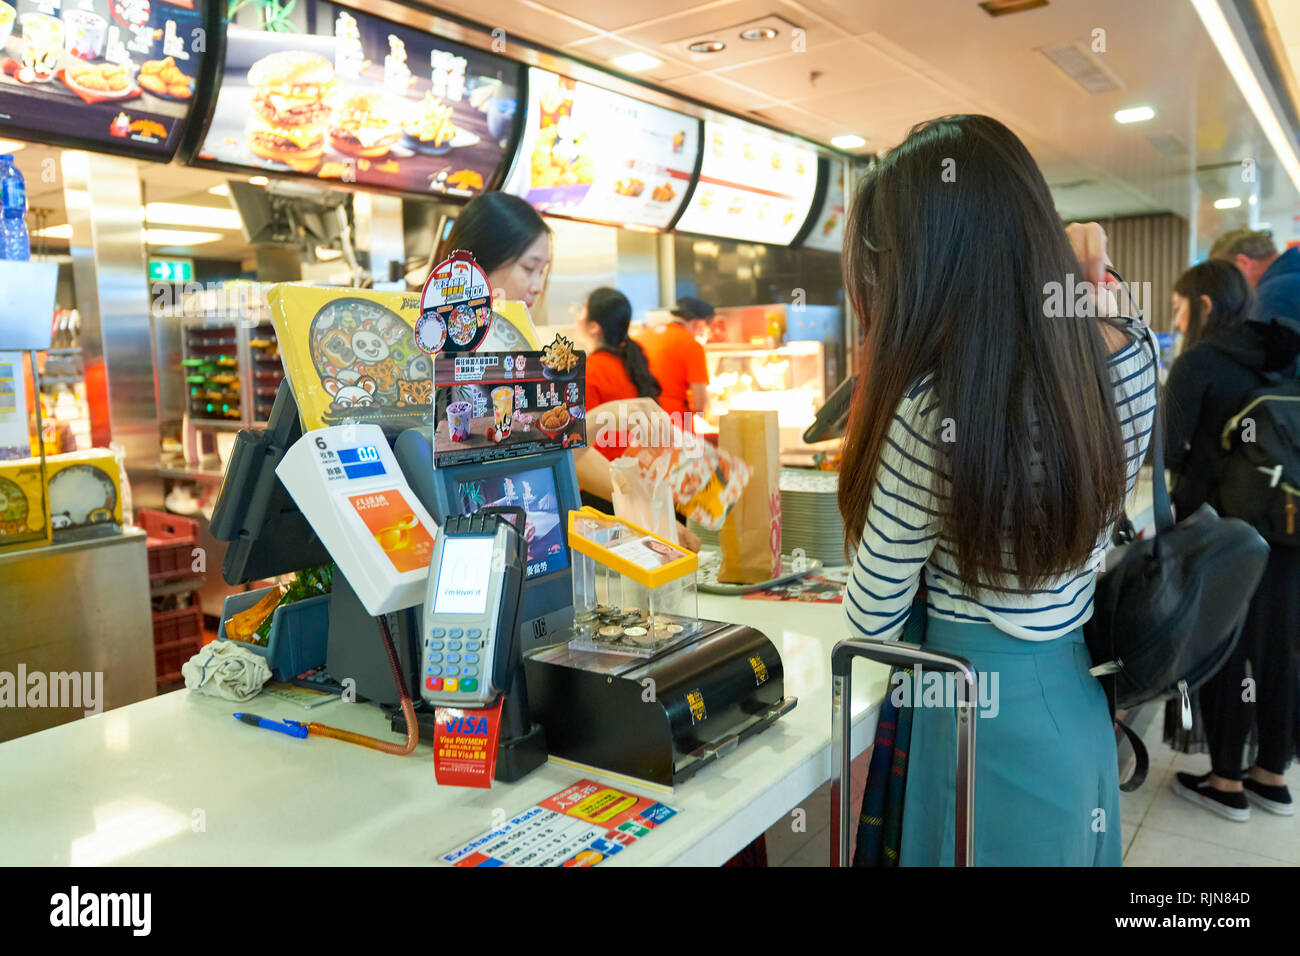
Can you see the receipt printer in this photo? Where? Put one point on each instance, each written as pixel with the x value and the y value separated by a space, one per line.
pixel 664 718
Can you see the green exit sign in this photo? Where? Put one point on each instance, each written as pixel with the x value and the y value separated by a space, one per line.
pixel 171 270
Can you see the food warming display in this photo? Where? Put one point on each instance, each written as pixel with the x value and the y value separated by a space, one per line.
pixel 230 357
pixel 754 185
pixel 363 100
pixel 601 156
pixel 107 75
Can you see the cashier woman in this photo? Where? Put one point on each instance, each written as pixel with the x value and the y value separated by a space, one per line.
pixel 513 244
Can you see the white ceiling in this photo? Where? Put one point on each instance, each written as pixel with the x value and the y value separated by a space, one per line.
pixel 876 67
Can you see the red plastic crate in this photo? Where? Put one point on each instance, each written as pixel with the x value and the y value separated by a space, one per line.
pixel 183 624
pixel 169 658
pixel 171 541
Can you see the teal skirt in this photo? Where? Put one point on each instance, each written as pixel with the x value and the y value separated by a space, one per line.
pixel 1046 770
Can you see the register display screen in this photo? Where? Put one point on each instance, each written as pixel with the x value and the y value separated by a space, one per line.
pixel 464 576
pixel 362 462
pixel 534 491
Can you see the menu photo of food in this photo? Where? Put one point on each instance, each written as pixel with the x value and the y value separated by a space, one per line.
pixel 505 404
pixel 593 154
pixel 116 72
pixel 373 102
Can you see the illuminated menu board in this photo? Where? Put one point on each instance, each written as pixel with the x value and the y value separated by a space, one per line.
pixel 591 154
pixel 363 100
pixel 112 76
pixel 828 231
pixel 754 185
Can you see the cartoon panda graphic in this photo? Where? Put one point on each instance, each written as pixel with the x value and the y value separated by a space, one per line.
pixel 374 359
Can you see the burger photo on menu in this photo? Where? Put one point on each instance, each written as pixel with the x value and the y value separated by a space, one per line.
pixel 291 107
pixel 364 127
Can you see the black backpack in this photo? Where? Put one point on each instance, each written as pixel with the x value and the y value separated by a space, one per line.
pixel 1261 473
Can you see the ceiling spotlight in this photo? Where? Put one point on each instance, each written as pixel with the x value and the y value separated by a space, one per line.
pixel 258 180
pixel 848 141
pixel 1137 114
pixel 759 33
pixel 1229 202
pixel 707 46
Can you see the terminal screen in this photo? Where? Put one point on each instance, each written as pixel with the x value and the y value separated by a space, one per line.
pixel 465 575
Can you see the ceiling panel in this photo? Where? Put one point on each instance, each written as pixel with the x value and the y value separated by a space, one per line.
pixel 522 20
pixel 833 68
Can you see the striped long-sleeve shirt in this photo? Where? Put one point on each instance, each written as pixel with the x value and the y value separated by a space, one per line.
pixel 904 538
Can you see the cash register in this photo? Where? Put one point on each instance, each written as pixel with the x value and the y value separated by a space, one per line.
pixel 669 696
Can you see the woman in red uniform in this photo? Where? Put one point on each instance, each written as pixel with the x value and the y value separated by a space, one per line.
pixel 617 368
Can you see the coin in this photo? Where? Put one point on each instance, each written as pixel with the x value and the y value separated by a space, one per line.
pixel 611 632
pixel 639 635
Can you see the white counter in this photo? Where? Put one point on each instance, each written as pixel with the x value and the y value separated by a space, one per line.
pixel 175 780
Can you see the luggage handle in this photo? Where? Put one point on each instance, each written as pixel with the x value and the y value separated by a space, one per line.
pixel 898 653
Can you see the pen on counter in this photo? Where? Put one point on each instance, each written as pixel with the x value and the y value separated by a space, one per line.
pixel 291 727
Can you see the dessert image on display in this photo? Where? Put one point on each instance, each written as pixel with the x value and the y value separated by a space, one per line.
pixel 291 108
pixel 364 127
pixel 629 187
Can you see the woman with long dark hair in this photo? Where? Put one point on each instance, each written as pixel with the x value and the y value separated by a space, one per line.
pixel 1225 357
pixel 994 437
pixel 617 367
pixel 512 243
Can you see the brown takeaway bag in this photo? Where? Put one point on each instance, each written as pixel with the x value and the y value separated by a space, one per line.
pixel 751 537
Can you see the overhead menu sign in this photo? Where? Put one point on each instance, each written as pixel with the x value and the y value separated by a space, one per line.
pixel 755 185
pixel 587 153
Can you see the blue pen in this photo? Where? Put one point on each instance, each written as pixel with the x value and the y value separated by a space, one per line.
pixel 291 727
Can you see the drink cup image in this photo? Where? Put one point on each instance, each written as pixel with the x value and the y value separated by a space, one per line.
pixel 458 419
pixel 503 407
pixel 7 16
pixel 87 32
pixel 42 46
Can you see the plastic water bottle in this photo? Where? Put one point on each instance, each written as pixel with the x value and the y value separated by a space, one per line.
pixel 13 195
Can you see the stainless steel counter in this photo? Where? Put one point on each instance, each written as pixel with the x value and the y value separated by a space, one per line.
pixel 83 608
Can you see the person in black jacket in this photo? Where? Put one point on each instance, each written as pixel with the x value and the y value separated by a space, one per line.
pixel 1227 354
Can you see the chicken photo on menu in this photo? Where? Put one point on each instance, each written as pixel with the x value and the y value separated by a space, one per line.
pixel 359 99
pixel 118 71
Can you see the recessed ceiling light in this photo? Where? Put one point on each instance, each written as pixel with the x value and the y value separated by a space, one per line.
pixel 178 237
pixel 1228 202
pixel 10 146
pixel 635 62
pixel 848 141
pixel 258 180
pixel 1138 114
pixel 707 46
pixel 222 190
pixel 759 33
pixel 55 232
pixel 180 214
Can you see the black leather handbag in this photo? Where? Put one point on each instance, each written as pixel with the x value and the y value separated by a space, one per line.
pixel 1168 610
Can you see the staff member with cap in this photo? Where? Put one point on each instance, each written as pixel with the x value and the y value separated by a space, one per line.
pixel 677 361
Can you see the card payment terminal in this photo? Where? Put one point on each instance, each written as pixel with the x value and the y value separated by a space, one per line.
pixel 470 628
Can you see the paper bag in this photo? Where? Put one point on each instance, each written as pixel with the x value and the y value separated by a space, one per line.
pixel 751 536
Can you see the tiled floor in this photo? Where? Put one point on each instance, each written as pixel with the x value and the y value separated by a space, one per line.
pixel 1160 828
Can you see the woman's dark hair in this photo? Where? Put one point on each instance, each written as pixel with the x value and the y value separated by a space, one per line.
pixel 1231 300
pixel 496 228
pixel 952 251
pixel 610 309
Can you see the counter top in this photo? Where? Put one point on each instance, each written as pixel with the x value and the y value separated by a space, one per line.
pixel 128 535
pixel 175 780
